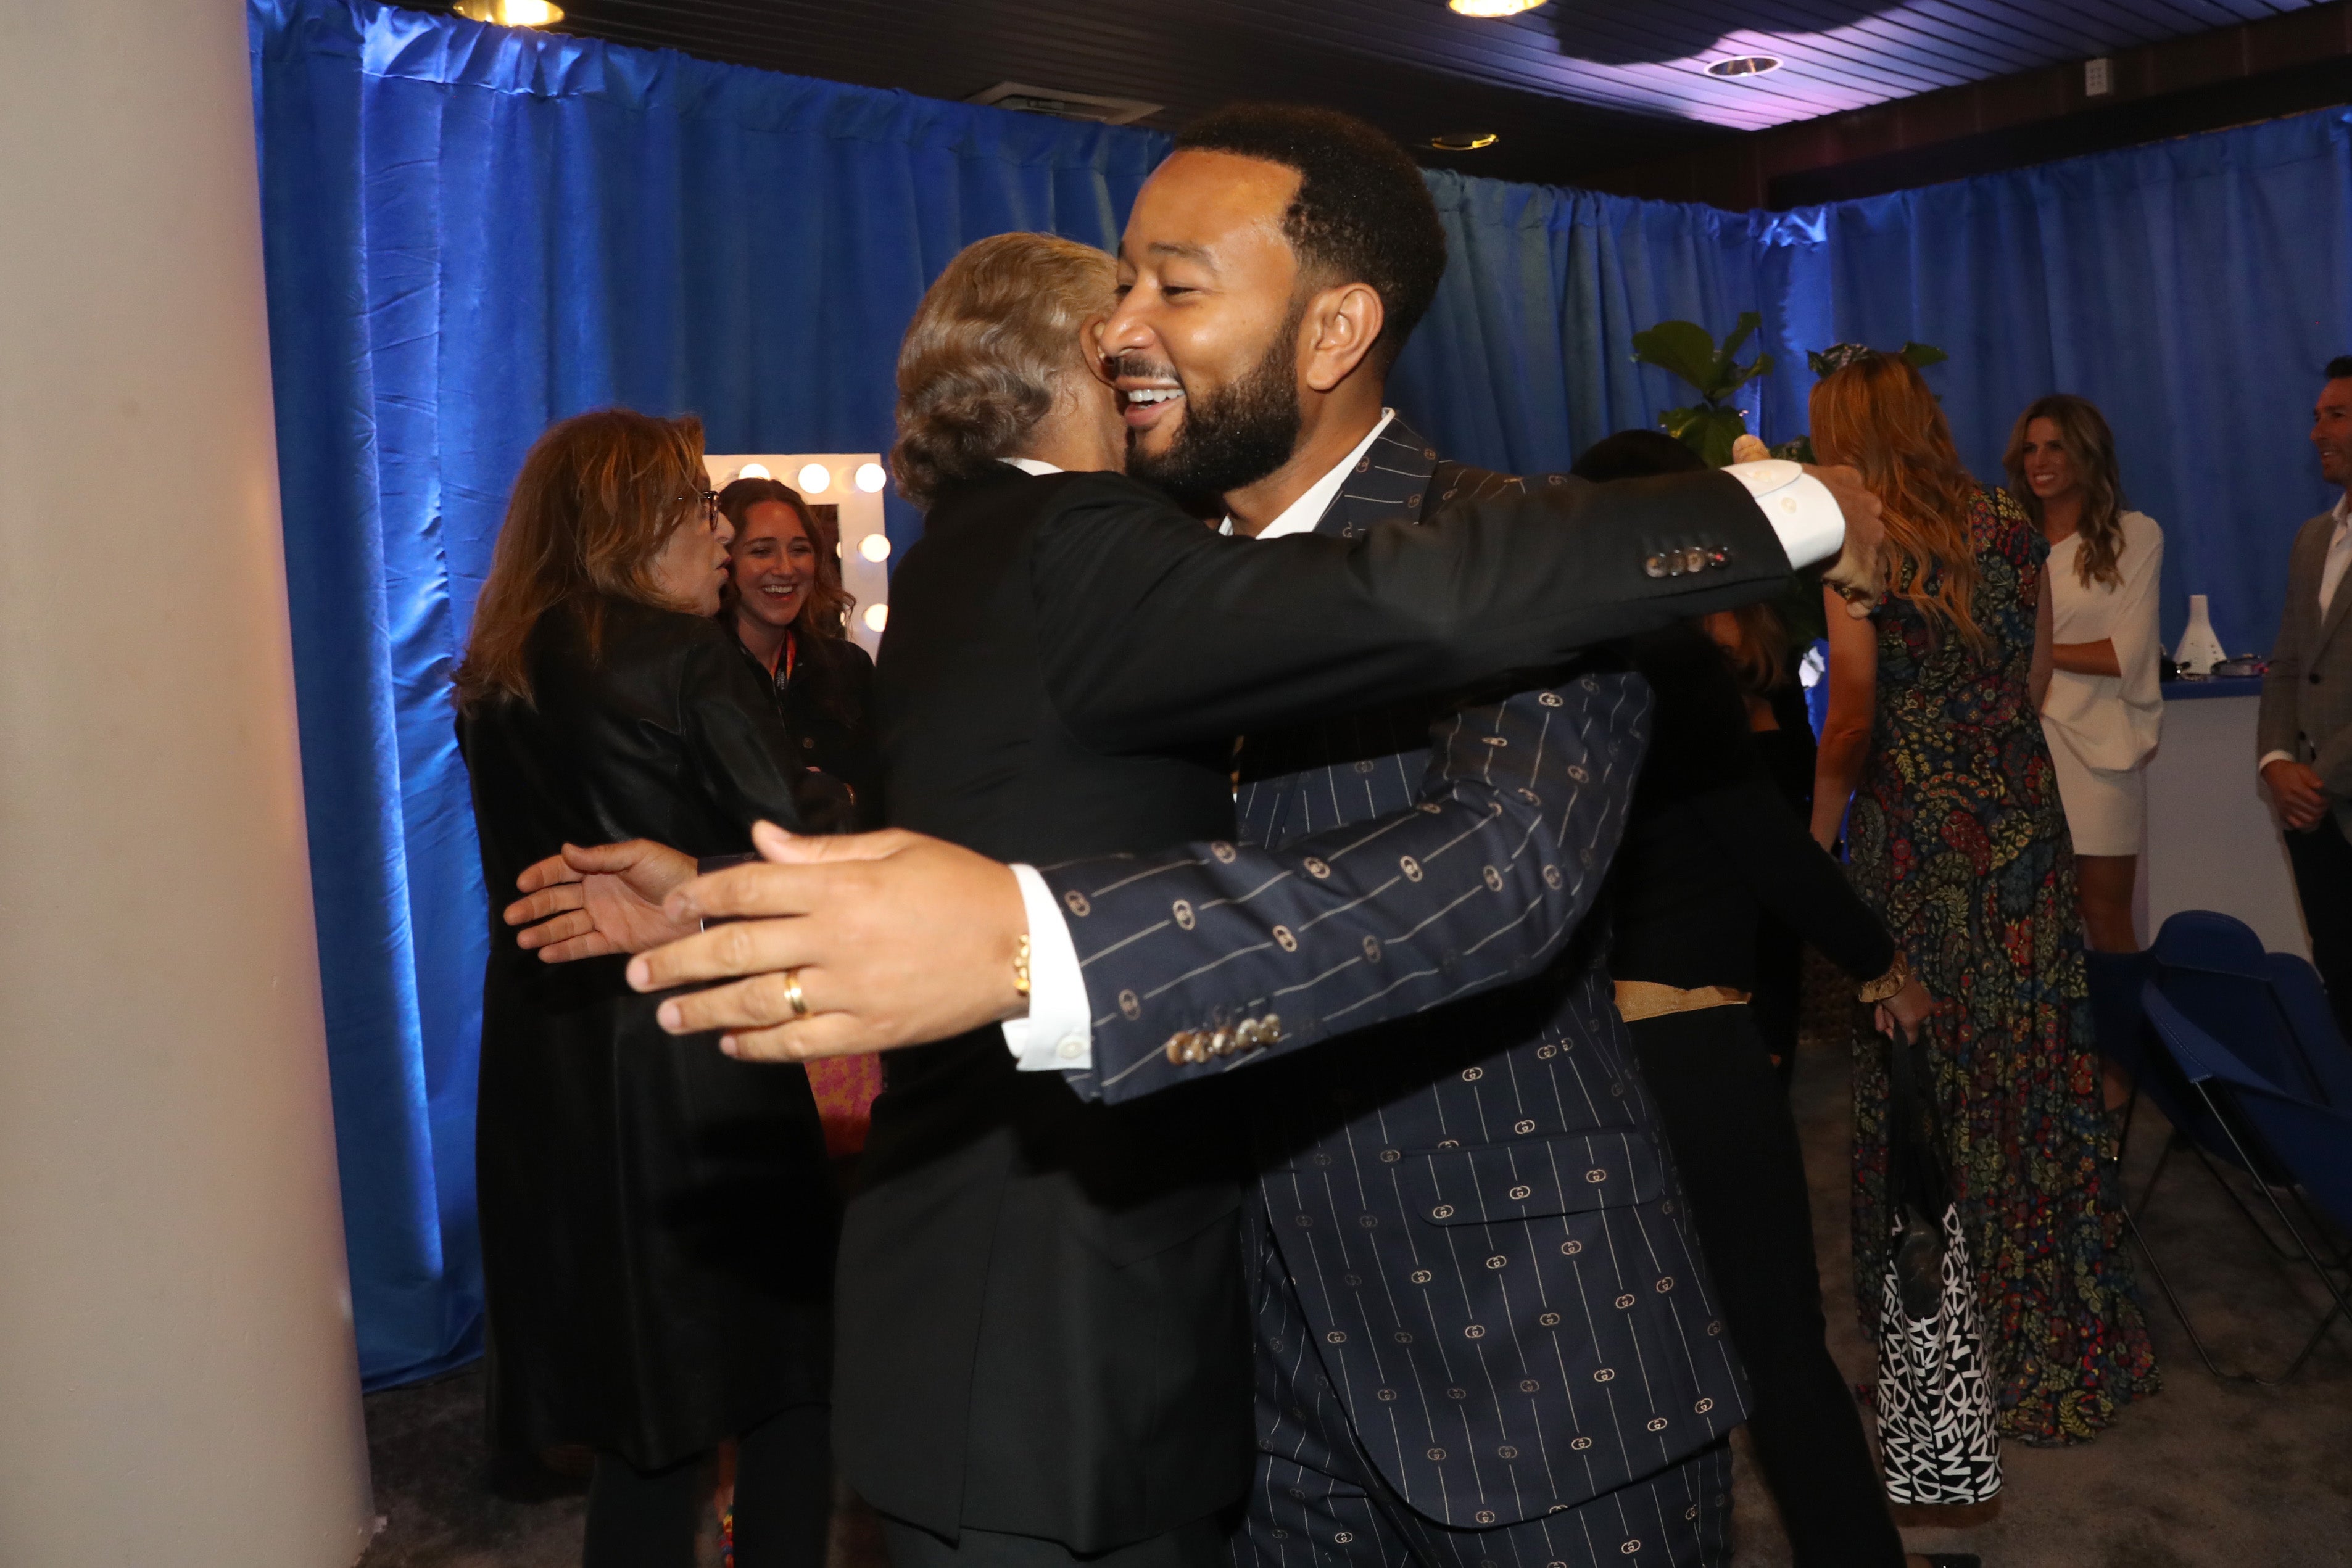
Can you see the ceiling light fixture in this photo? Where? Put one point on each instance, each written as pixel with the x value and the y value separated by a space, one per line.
pixel 1744 66
pixel 1492 8
pixel 510 12
pixel 1463 140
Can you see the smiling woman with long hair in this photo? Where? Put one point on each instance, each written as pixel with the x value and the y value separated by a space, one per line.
pixel 657 1219
pixel 1958 840
pixel 787 607
pixel 2105 710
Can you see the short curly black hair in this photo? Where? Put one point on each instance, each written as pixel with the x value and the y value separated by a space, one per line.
pixel 2339 367
pixel 1361 214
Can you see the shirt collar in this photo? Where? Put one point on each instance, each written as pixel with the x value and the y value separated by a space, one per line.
pixel 1030 465
pixel 1301 515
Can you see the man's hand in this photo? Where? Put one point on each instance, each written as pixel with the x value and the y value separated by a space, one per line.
pixel 2296 787
pixel 589 903
pixel 1856 573
pixel 893 938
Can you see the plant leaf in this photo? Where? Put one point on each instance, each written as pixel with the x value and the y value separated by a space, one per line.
pixel 1683 349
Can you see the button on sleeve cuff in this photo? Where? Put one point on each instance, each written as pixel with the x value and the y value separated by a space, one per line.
pixel 1800 507
pixel 1058 1034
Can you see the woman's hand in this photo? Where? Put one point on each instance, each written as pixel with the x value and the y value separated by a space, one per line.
pixel 1904 1011
pixel 592 903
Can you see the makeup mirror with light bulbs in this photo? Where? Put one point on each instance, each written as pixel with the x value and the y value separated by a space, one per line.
pixel 844 489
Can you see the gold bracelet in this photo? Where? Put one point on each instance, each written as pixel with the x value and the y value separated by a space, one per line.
pixel 1020 965
pixel 1897 976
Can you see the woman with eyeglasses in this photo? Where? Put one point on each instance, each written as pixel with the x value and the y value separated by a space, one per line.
pixel 657 1219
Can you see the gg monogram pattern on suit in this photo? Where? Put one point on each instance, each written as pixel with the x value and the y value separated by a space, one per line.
pixel 1464 1212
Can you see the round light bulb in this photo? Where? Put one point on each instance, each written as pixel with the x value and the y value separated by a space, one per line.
pixel 753 471
pixel 877 616
pixel 871 477
pixel 875 547
pixel 815 479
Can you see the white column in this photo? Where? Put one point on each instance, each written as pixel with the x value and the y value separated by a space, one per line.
pixel 177 1384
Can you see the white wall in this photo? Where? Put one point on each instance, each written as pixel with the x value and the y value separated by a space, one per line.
pixel 2212 842
pixel 177 1383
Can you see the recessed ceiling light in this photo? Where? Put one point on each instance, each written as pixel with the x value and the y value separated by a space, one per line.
pixel 1744 66
pixel 510 12
pixel 1465 141
pixel 1493 7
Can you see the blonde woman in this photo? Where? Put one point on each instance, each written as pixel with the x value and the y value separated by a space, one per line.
pixel 1959 842
pixel 2102 711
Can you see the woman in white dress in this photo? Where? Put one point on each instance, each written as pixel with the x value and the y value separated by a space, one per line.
pixel 2102 711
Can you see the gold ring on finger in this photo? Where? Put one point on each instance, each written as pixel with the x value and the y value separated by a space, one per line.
pixel 792 993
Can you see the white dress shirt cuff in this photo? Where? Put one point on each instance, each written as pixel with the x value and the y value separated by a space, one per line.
pixel 1800 507
pixel 1058 1034
pixel 2267 757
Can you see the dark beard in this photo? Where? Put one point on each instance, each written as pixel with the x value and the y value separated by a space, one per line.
pixel 1233 439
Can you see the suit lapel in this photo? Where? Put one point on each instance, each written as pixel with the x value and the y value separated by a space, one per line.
pixel 2332 617
pixel 1390 479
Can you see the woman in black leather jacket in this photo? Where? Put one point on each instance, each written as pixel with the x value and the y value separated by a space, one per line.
pixel 657 1219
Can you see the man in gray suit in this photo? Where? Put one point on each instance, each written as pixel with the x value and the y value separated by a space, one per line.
pixel 2305 735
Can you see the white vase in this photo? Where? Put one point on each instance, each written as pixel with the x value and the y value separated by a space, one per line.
pixel 2200 650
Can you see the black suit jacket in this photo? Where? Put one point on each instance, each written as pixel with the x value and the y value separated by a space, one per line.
pixel 1474 1204
pixel 1041 1322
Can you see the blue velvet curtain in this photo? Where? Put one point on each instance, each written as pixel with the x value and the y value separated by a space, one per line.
pixel 2194 290
pixel 471 233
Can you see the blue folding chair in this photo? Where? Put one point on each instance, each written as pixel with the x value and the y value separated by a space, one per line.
pixel 2303 999
pixel 2269 1127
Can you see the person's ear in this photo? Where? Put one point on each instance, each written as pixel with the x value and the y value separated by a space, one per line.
pixel 1340 326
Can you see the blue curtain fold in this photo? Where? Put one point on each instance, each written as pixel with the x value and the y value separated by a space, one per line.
pixel 2194 290
pixel 470 232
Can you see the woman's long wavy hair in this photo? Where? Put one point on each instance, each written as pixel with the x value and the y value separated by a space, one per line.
pixel 982 359
pixel 1877 415
pixel 2082 431
pixel 599 495
pixel 826 612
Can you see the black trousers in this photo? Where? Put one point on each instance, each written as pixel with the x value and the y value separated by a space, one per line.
pixel 783 1500
pixel 1735 1143
pixel 2323 881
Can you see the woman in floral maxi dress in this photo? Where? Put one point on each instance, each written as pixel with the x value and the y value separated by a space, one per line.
pixel 1958 839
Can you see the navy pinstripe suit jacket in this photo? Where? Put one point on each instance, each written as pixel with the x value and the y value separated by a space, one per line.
pixel 1470 1194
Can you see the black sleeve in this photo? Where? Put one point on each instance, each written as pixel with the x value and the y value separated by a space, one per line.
pixel 735 738
pixel 1791 875
pixel 1155 631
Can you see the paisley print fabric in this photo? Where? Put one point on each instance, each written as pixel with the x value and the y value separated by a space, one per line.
pixel 1958 839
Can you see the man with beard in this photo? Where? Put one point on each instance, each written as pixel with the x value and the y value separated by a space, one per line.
pixel 1243 256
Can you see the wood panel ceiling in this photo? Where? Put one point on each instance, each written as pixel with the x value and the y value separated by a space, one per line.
pixel 1572 87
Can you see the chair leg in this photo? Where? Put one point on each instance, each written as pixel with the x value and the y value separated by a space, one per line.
pixel 2178 1310
pixel 2342 1308
pixel 2220 1179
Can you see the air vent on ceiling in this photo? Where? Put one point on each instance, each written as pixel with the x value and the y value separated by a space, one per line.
pixel 1066 105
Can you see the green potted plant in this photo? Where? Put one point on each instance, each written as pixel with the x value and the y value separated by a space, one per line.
pixel 1688 351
